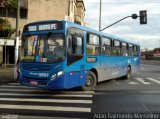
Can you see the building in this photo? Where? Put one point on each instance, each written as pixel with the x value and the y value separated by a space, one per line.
pixel 36 10
pixel 156 52
pixel 151 54
pixel 147 55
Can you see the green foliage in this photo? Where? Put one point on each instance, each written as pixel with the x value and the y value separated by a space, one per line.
pixel 4 3
pixel 9 3
pixel 13 4
pixel 5 28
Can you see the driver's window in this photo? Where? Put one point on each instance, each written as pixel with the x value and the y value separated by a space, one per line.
pixel 70 49
pixel 75 45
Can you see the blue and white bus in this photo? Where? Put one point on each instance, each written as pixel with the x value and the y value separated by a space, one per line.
pixel 62 55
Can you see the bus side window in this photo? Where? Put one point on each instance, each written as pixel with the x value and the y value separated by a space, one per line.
pixel 138 50
pixel 106 46
pixel 124 51
pixel 93 44
pixel 135 50
pixel 130 50
pixel 116 48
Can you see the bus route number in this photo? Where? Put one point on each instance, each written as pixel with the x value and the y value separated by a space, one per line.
pixel 32 28
pixel 91 59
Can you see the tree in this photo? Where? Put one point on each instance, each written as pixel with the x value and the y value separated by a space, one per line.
pixel 8 4
pixel 5 28
pixel 13 4
pixel 4 3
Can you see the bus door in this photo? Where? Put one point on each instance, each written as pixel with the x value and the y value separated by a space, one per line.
pixel 75 58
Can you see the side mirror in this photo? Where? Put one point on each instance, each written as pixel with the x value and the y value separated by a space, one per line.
pixel 19 32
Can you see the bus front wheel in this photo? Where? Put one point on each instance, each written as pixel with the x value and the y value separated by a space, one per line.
pixel 90 82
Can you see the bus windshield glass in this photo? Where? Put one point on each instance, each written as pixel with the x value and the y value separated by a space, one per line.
pixel 43 48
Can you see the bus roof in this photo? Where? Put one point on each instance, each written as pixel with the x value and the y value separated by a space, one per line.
pixel 71 24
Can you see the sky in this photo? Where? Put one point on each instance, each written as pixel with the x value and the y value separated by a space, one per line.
pixel 148 36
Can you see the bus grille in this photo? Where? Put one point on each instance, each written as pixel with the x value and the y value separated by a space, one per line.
pixel 36 67
pixel 28 78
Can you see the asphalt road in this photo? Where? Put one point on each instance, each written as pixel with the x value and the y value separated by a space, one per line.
pixel 141 94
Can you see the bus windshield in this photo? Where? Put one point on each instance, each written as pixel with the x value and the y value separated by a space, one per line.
pixel 43 48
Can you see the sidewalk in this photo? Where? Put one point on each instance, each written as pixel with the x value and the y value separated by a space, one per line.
pixel 151 62
pixel 7 75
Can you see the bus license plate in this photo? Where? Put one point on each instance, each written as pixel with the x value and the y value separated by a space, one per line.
pixel 33 82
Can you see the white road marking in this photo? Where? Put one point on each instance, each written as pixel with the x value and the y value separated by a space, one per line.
pixel 43 117
pixel 46 91
pixel 117 83
pixel 50 95
pixel 14 86
pixel 154 80
pixel 20 90
pixel 46 108
pixel 142 81
pixel 15 83
pixel 48 100
pixel 132 83
pixel 27 88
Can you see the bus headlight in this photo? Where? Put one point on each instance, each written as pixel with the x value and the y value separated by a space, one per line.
pixel 60 73
pixel 53 76
pixel 57 75
pixel 19 71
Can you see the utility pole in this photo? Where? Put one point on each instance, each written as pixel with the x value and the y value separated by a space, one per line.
pixel 17 32
pixel 5 58
pixel 100 15
pixel 17 39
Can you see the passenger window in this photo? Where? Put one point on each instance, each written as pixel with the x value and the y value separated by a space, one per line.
pixel 124 51
pixel 135 50
pixel 130 50
pixel 106 46
pixel 116 48
pixel 93 45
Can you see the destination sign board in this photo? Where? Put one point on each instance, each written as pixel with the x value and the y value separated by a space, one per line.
pixel 43 26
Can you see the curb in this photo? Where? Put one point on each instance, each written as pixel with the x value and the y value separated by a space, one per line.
pixel 6 75
pixel 8 81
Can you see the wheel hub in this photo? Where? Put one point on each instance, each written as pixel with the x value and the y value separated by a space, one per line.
pixel 89 81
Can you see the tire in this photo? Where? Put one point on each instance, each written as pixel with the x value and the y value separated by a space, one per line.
pixel 90 82
pixel 128 76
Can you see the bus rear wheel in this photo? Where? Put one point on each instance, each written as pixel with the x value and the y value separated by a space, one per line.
pixel 90 82
pixel 128 76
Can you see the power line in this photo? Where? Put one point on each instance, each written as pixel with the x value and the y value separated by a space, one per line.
pixel 134 3
pixel 128 3
pixel 153 14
